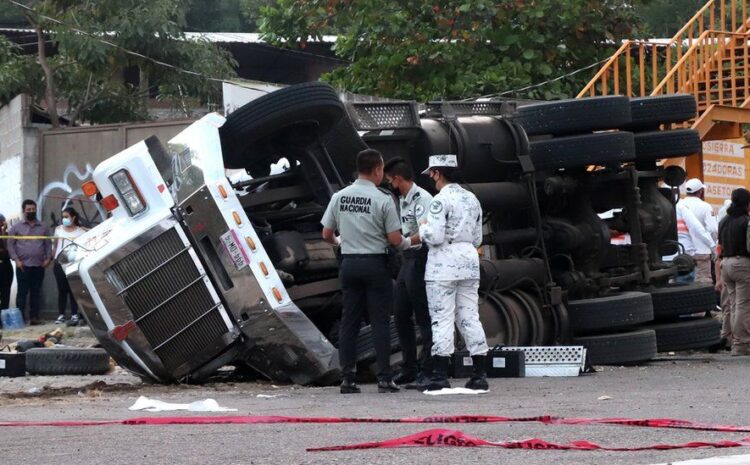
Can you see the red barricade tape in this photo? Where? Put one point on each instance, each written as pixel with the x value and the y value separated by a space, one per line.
pixel 452 438
pixel 436 437
pixel 249 419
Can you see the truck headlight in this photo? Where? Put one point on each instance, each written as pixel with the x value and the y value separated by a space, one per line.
pixel 128 191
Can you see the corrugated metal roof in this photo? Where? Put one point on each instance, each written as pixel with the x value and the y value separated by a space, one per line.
pixel 242 37
pixel 236 37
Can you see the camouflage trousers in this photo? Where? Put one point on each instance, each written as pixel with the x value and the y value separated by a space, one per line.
pixel 451 304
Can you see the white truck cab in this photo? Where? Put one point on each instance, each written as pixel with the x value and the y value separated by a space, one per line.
pixel 176 282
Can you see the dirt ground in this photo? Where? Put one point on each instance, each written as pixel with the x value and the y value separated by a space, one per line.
pixel 699 387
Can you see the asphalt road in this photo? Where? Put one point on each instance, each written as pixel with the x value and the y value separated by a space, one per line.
pixel 700 387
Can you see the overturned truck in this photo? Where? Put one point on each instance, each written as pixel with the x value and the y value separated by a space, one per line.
pixel 192 272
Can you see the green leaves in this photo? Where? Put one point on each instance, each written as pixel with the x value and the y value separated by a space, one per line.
pixel 88 72
pixel 419 49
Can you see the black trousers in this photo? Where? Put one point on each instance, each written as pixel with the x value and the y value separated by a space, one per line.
pixel 366 286
pixel 410 308
pixel 64 294
pixel 30 285
pixel 6 281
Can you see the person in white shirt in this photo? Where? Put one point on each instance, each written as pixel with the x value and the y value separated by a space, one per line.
pixel 65 234
pixel 707 225
pixel 692 236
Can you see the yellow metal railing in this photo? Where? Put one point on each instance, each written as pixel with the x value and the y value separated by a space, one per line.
pixel 714 69
pixel 641 68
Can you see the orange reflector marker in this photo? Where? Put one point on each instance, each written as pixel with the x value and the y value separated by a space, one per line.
pixel 250 243
pixel 277 294
pixel 109 203
pixel 223 192
pixel 237 218
pixel 264 269
pixel 89 188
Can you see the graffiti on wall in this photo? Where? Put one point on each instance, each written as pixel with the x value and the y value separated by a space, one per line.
pixel 61 194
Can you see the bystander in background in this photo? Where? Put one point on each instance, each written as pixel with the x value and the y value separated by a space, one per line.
pixel 32 254
pixel 6 268
pixel 65 234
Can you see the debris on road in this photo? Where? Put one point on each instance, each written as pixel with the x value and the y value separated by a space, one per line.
pixel 153 405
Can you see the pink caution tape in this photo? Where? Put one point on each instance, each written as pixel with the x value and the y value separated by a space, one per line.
pixel 440 419
pixel 436 437
pixel 452 438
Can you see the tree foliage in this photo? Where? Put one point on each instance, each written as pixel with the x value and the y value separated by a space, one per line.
pixel 456 48
pixel 218 16
pixel 663 18
pixel 252 11
pixel 88 74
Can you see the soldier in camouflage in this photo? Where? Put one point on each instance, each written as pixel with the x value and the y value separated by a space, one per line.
pixel 453 232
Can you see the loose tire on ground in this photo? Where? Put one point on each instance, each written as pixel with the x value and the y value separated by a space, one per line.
pixel 67 361
pixel 650 112
pixel 577 151
pixel 293 115
pixel 610 312
pixel 674 300
pixel 574 115
pixel 667 144
pixel 616 349
pixel 694 333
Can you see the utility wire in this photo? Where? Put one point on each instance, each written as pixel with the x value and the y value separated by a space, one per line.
pixel 558 78
pixel 123 49
pixel 540 84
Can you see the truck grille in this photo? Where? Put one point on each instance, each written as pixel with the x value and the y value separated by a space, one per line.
pixel 168 298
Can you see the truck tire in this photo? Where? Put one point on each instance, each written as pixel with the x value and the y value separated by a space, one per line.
pixel 617 349
pixel 694 333
pixel 67 361
pixel 578 151
pixel 650 112
pixel 610 312
pixel 251 134
pixel 654 145
pixel 366 342
pixel 343 143
pixel 682 299
pixel 574 116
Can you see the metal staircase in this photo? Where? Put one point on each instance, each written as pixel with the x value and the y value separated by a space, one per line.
pixel 708 58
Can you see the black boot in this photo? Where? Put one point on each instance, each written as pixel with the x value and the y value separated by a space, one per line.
pixel 405 376
pixel 348 386
pixel 439 378
pixel 478 379
pixel 387 386
pixel 423 377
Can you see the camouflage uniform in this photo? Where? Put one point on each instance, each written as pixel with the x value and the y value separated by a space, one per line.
pixel 453 232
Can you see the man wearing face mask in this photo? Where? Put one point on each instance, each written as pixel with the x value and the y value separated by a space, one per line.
pixel 410 297
pixel 31 256
pixel 453 231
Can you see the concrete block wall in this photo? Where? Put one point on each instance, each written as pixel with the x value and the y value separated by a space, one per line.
pixel 19 160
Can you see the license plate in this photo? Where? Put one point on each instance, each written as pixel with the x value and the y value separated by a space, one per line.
pixel 231 244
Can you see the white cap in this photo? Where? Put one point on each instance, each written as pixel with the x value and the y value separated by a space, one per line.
pixel 693 185
pixel 449 161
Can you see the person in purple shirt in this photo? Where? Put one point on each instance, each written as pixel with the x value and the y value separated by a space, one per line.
pixel 32 256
